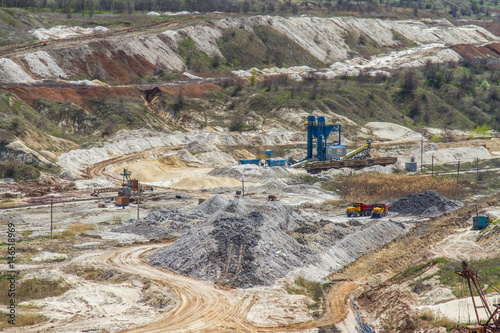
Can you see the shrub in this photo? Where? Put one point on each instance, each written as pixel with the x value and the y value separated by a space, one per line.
pixel 76 229
pixel 18 171
pixel 377 187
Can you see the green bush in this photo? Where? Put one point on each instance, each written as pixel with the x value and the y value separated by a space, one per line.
pixel 18 171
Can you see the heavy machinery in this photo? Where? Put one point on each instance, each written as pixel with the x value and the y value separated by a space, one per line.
pixel 334 155
pixel 492 311
pixel 130 187
pixel 379 210
pixel 359 209
pixel 316 167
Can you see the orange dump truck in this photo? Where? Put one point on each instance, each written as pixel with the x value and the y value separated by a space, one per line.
pixel 359 209
pixel 380 210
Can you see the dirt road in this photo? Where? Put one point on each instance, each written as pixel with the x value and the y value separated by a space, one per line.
pixel 203 307
pixel 13 50
pixel 98 169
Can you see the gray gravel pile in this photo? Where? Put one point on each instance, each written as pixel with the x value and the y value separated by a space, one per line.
pixel 210 206
pixel 151 229
pixel 164 223
pixel 428 203
pixel 349 248
pixel 242 245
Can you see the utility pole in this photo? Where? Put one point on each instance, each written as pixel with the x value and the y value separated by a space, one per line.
pixel 432 166
pixel 477 172
pixel 421 155
pixel 243 188
pixel 138 203
pixel 51 215
pixel 458 173
pixel 139 191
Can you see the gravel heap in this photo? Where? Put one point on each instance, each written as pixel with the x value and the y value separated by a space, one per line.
pixel 429 203
pixel 163 223
pixel 245 243
pixel 201 146
pixel 242 245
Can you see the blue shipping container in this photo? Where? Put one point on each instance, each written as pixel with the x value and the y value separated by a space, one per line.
pixel 411 167
pixel 273 163
pixel 256 162
pixel 479 222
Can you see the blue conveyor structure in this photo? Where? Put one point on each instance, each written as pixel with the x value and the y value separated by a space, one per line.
pixel 319 130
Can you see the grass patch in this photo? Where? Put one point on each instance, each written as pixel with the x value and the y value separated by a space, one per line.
pixel 308 288
pixel 402 39
pixel 196 60
pixel 421 268
pixel 488 272
pixel 22 319
pixel 18 171
pixel 76 229
pixel 378 187
pixel 311 289
pixel 98 274
pixel 307 179
pixel 265 47
pixel 436 319
pixel 32 289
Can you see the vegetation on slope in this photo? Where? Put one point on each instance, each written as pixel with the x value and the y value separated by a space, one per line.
pixel 455 95
pixel 263 47
pixel 454 8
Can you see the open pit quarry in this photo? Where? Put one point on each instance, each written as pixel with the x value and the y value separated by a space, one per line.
pixel 231 262
pixel 157 206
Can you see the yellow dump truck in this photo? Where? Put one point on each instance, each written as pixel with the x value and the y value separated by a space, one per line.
pixel 380 210
pixel 359 209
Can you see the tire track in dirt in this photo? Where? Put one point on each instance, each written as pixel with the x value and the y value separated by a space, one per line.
pixel 13 50
pixel 98 169
pixel 203 307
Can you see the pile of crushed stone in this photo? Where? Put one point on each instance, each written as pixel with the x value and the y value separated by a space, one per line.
pixel 428 203
pixel 242 243
pixel 165 223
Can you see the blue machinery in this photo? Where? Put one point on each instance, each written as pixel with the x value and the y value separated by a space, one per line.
pixel 320 131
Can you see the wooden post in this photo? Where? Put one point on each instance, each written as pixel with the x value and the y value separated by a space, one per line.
pixel 432 166
pixel 458 173
pixel 51 215
pixel 421 155
pixel 243 188
pixel 477 172
pixel 138 203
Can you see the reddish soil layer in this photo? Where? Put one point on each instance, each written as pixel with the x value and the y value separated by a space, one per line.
pixel 493 27
pixel 81 96
pixel 469 52
pixel 192 91
pixel 78 95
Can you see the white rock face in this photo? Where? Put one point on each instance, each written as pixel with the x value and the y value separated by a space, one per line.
pixel 393 132
pixel 62 31
pixel 129 142
pixel 324 38
pixel 452 155
pixel 12 72
pixel 43 65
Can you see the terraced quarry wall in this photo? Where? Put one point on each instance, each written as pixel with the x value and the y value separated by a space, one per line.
pixel 122 60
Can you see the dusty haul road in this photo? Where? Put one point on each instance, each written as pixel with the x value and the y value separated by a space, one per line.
pixel 202 307
pixel 98 169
